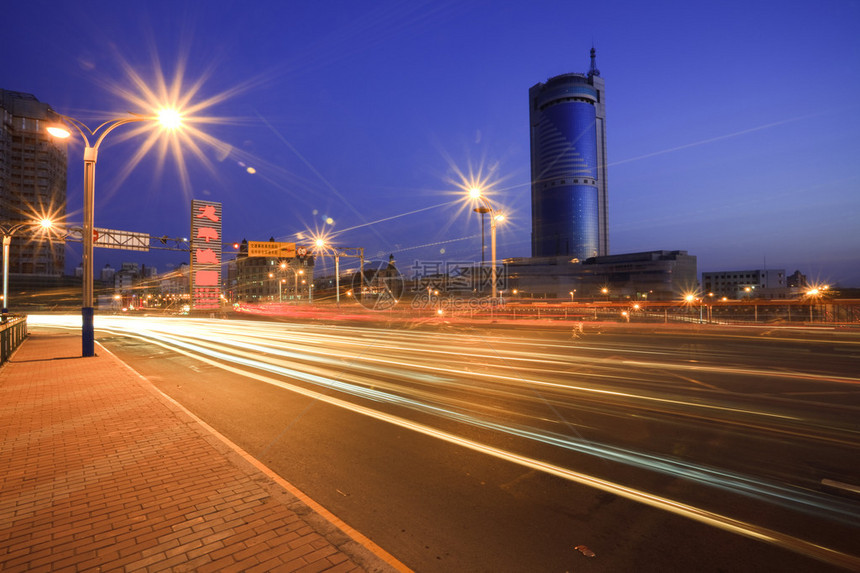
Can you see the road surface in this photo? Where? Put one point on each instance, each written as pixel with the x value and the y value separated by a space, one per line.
pixel 502 448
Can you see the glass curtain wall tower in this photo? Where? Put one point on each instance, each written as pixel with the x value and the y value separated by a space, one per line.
pixel 568 165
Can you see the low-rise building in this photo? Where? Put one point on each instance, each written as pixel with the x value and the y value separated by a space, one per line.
pixel 757 283
pixel 650 275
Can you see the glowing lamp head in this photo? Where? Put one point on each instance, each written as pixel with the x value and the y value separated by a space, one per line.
pixel 46 224
pixel 320 243
pixel 475 193
pixel 58 131
pixel 169 118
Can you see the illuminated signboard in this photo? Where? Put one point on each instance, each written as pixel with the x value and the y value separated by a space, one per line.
pixel 205 255
pixel 271 249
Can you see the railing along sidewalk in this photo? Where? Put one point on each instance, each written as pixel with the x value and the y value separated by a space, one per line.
pixel 13 331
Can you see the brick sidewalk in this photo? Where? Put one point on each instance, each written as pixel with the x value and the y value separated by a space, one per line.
pixel 100 471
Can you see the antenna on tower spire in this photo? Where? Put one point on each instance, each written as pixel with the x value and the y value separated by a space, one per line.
pixel 593 71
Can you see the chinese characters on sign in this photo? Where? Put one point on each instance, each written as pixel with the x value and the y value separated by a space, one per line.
pixel 205 255
pixel 271 249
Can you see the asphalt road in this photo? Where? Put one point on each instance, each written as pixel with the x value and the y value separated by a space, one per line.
pixel 562 448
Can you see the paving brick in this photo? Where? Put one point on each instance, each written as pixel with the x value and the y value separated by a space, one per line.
pixel 265 566
pixel 101 472
pixel 314 567
pixel 221 565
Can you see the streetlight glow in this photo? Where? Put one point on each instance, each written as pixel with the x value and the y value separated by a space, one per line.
pixel 169 118
pixel 475 193
pixel 58 132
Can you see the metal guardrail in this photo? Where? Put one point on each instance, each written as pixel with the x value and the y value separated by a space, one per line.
pixel 13 331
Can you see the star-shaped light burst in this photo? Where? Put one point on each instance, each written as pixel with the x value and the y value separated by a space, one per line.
pixel 477 185
pixel 180 113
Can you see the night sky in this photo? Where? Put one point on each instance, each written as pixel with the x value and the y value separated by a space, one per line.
pixel 733 128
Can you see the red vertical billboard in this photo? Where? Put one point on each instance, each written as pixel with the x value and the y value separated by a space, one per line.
pixel 205 255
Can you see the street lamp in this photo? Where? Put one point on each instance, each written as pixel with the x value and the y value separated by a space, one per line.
pixel 322 246
pixel 280 297
pixel 477 194
pixel 283 266
pixel 169 119
pixel 8 232
pixel 296 273
pixel 482 211
pixel 814 294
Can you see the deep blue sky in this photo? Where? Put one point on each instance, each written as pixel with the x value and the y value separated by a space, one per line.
pixel 733 127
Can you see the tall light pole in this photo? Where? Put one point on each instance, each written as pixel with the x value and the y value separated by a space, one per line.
pixel 321 245
pixel 7 233
pixel 169 119
pixel 476 193
pixel 482 211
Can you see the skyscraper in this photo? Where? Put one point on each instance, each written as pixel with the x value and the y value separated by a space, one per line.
pixel 32 181
pixel 567 115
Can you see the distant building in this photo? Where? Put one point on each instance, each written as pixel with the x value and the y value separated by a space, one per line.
pixel 567 117
pixel 796 280
pixel 651 275
pixel 263 279
pixel 107 273
pixel 174 287
pixel 32 182
pixel 126 278
pixel 381 284
pixel 758 283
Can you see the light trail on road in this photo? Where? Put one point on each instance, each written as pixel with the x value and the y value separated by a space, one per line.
pixel 479 379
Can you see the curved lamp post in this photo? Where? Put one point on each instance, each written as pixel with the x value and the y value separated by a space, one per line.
pixel 476 193
pixel 169 119
pixel 7 232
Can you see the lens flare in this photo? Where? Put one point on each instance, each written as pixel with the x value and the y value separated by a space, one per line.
pixel 169 118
